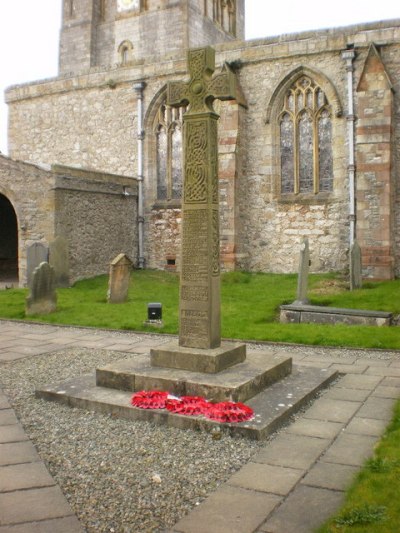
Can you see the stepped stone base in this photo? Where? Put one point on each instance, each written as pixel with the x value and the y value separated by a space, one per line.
pixel 238 383
pixel 273 407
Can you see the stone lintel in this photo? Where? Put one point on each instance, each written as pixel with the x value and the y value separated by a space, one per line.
pixel 209 361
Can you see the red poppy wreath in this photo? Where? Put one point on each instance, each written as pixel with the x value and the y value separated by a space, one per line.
pixel 222 412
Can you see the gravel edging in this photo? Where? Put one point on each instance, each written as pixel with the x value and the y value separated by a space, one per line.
pixel 118 475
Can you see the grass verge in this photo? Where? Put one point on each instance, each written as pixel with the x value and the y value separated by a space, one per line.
pixel 250 307
pixel 372 502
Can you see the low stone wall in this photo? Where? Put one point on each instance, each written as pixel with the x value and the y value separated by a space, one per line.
pixel 297 314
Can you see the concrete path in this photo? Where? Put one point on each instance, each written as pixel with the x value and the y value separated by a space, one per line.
pixel 291 485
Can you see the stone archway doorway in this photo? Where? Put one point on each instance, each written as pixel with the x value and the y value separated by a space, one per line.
pixel 8 243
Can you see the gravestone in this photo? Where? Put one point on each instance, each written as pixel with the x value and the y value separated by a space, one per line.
pixel 59 260
pixel 304 269
pixel 118 281
pixel 355 267
pixel 199 309
pixel 36 253
pixel 42 298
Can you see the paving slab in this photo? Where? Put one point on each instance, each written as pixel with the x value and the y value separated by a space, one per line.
pixel 330 476
pixel 229 510
pixel 367 426
pixel 7 417
pixel 267 478
pixel 387 392
pixel 350 369
pixel 350 449
pixel 12 433
pixel 375 407
pixel 383 371
pixel 315 428
pixel 333 410
pixel 68 524
pixel 353 381
pixel 18 452
pixel 292 451
pixel 33 505
pixel 4 403
pixel 391 382
pixel 24 476
pixel 303 511
pixel 351 395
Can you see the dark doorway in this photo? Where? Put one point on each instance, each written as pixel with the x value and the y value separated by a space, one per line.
pixel 8 242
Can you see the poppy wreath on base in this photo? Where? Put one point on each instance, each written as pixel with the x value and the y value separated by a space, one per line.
pixel 222 412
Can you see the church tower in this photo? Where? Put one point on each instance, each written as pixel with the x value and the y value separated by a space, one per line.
pixel 101 33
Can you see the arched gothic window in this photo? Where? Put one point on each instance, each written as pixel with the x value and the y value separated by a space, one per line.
pixel 306 139
pixel 169 158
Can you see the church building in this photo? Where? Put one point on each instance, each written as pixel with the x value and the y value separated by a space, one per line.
pixel 310 148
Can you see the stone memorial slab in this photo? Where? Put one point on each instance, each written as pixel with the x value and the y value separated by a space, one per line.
pixel 43 297
pixel 304 269
pixel 59 260
pixel 36 253
pixel 118 282
pixel 355 267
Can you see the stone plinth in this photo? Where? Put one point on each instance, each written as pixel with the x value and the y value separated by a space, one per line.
pixel 208 361
pixel 296 314
pixel 238 383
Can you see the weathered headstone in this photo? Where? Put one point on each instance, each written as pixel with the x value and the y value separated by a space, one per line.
pixel 59 260
pixel 200 348
pixel 36 253
pixel 355 267
pixel 118 282
pixel 42 298
pixel 304 269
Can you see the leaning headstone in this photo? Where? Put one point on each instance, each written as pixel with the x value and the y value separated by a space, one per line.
pixel 355 267
pixel 304 268
pixel 59 260
pixel 42 298
pixel 118 282
pixel 36 253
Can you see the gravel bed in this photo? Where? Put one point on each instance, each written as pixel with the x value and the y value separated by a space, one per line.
pixel 118 475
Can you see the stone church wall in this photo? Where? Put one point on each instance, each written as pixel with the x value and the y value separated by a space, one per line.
pixel 98 219
pixel 90 120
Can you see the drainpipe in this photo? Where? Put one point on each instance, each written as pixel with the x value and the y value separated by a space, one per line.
pixel 348 55
pixel 139 88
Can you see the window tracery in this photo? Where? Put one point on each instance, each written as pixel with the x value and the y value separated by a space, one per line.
pixel 306 139
pixel 169 157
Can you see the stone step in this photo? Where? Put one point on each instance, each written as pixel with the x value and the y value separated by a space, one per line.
pixel 237 383
pixel 273 407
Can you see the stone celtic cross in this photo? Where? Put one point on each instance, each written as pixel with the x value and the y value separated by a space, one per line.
pixel 199 314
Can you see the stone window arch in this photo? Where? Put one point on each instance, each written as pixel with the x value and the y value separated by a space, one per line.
pixel 305 127
pixel 125 52
pixel 167 130
pixel 302 112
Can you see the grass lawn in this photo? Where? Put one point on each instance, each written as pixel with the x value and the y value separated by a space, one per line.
pixel 372 502
pixel 250 304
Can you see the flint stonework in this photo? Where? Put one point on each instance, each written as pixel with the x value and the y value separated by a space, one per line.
pixel 59 260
